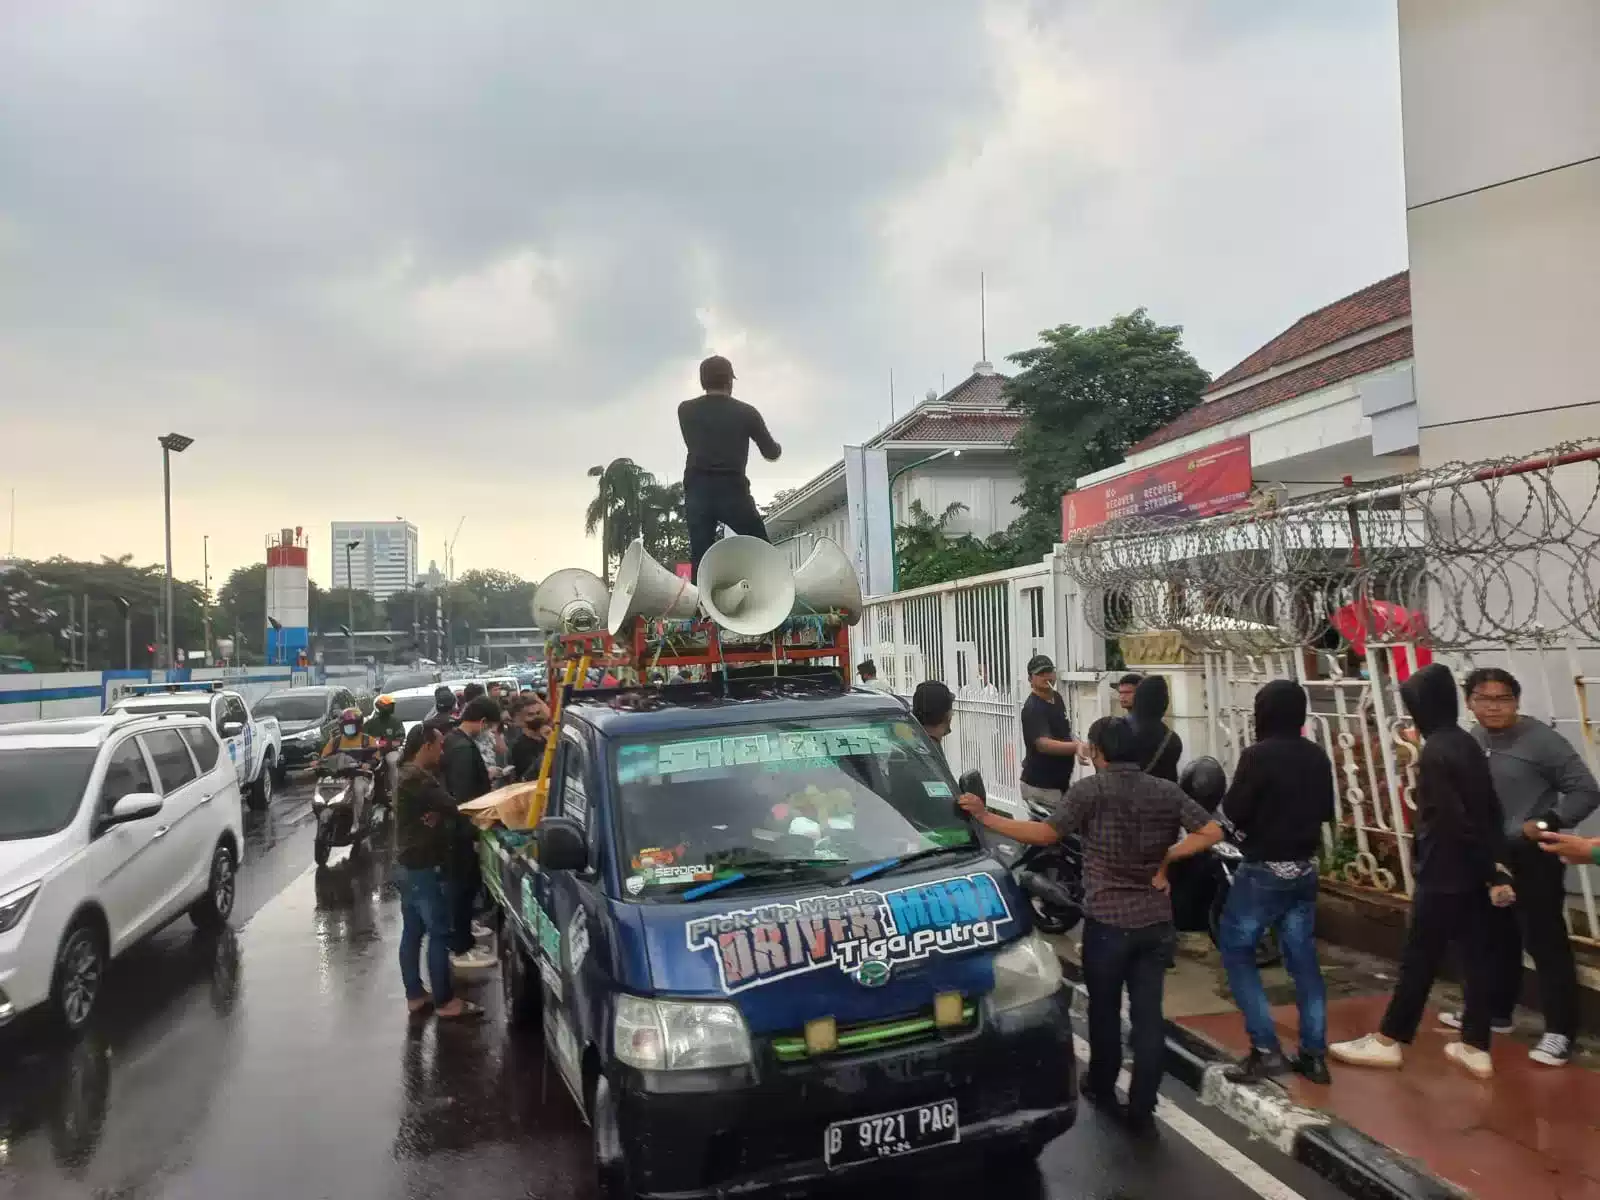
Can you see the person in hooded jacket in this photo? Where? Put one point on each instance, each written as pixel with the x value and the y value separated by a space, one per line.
pixel 1156 748
pixel 1280 798
pixel 1458 882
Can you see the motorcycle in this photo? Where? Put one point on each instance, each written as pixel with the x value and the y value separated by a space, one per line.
pixel 1050 876
pixel 386 773
pixel 342 805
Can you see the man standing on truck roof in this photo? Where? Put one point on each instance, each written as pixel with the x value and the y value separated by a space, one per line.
pixel 717 432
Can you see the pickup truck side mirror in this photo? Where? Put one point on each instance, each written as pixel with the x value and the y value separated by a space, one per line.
pixel 972 782
pixel 561 844
pixel 135 806
pixel 231 728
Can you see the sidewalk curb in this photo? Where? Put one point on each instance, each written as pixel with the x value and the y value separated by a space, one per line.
pixel 1353 1162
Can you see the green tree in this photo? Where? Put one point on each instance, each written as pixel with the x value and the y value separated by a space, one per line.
pixel 926 553
pixel 38 598
pixel 632 503
pixel 1086 396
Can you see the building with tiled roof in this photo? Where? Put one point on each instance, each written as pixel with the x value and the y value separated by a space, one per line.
pixel 949 449
pixel 1328 398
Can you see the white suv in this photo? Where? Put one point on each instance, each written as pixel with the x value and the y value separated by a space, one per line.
pixel 110 827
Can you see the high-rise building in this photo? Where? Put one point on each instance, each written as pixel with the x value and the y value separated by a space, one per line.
pixel 383 561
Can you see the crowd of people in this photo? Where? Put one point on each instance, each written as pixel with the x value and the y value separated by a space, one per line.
pixel 470 745
pixel 1494 812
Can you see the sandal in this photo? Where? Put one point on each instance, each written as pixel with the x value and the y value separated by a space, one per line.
pixel 420 1005
pixel 469 1012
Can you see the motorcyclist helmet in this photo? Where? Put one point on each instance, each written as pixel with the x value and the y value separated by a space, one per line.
pixel 384 705
pixel 350 721
pixel 1205 781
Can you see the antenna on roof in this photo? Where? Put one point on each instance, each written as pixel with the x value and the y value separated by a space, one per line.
pixel 983 366
pixel 891 395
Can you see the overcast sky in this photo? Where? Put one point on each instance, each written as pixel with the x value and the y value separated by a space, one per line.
pixel 383 257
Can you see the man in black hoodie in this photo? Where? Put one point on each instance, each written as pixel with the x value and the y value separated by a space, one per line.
pixel 1280 798
pixel 1458 882
pixel 1156 748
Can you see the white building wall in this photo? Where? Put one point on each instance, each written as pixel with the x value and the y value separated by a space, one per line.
pixel 988 491
pixel 1501 107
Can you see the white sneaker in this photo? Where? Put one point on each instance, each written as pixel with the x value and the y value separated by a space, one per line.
pixel 1368 1052
pixel 474 960
pixel 480 931
pixel 1553 1050
pixel 1472 1060
pixel 1452 1020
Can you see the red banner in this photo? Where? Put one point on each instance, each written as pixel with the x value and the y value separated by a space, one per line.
pixel 1209 481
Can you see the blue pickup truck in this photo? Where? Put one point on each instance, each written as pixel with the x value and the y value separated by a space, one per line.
pixel 767 950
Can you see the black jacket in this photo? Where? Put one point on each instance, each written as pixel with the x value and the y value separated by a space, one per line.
pixel 717 432
pixel 465 775
pixel 1156 748
pixel 1282 792
pixel 1458 813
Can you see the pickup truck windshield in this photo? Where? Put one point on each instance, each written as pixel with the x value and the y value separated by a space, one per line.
pixel 287 706
pixel 40 790
pixel 696 807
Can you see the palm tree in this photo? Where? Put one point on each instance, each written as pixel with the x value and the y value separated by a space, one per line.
pixel 617 509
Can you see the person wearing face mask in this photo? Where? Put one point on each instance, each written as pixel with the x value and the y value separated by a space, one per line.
pixel 351 738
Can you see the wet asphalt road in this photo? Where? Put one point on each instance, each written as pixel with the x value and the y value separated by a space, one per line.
pixel 277 1062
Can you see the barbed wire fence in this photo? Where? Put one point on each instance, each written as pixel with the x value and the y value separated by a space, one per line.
pixel 1501 551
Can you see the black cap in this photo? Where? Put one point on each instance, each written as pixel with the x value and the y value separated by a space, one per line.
pixel 716 372
pixel 1039 663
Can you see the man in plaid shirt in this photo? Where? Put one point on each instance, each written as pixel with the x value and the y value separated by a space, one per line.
pixel 1127 820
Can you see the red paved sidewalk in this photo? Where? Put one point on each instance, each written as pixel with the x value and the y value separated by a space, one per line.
pixel 1530 1133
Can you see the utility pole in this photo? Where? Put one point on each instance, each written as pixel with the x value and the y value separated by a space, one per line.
pixel 172 443
pixel 83 633
pixel 205 593
pixel 350 593
pixel 126 609
pixel 72 632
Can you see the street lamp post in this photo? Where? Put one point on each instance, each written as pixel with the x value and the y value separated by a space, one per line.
pixel 449 581
pixel 894 541
pixel 172 443
pixel 350 592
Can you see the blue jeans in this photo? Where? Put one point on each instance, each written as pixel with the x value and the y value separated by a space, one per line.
pixel 424 909
pixel 1259 901
pixel 1114 958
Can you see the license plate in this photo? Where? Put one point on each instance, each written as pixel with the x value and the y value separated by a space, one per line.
pixel 890 1134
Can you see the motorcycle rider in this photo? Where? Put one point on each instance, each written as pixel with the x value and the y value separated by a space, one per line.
pixel 351 739
pixel 385 726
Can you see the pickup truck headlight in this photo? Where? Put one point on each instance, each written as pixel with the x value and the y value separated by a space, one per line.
pixel 305 735
pixel 14 904
pixel 673 1035
pixel 1024 971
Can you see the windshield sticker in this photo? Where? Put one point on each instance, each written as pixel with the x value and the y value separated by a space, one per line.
pixel 937 788
pixel 682 874
pixel 634 884
pixel 849 930
pixel 797 749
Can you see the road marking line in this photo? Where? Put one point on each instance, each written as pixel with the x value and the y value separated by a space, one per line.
pixel 1242 1167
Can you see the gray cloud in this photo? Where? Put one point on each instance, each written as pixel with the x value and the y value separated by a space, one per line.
pixel 507 227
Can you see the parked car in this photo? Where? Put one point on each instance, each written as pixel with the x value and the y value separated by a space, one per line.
pixel 308 717
pixel 400 681
pixel 413 705
pixel 255 747
pixel 113 827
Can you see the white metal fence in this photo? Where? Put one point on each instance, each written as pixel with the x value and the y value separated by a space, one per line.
pixel 977 634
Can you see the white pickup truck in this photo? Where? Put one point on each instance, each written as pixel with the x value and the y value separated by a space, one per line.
pixel 254 744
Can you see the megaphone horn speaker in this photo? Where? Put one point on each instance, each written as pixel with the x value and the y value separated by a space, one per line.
pixel 746 586
pixel 645 588
pixel 570 601
pixel 826 582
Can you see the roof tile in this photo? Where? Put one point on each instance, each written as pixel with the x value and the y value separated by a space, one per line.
pixel 1358 360
pixel 1386 300
pixel 998 428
